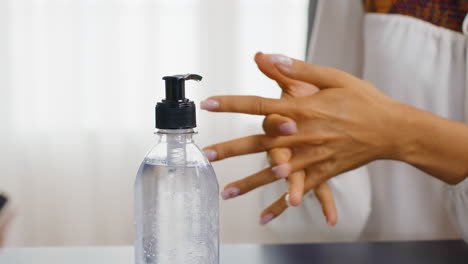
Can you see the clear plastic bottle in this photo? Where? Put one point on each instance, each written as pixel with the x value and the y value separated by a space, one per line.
pixel 176 201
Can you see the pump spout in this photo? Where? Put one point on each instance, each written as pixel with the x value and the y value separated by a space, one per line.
pixel 175 86
pixel 191 76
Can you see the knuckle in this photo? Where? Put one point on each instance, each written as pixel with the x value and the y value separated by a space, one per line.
pixel 275 156
pixel 324 170
pixel 278 159
pixel 262 143
pixel 329 167
pixel 224 150
pixel 311 181
pixel 322 189
pixel 259 105
pixel 221 151
pixel 279 156
pixel 322 153
pixel 301 108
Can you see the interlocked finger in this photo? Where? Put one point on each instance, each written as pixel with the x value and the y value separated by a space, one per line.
pixel 248 184
pixel 296 187
pixel 277 125
pixel 247 145
pixel 274 210
pixel 325 197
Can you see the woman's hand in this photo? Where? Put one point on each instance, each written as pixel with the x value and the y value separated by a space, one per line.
pixel 346 124
pixel 277 125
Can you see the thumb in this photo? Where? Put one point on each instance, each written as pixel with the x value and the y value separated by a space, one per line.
pixel 289 86
pixel 266 66
pixel 322 77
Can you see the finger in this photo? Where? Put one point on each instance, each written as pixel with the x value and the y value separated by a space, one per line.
pixel 278 159
pixel 254 105
pixel 277 125
pixel 278 156
pixel 316 177
pixel 247 145
pixel 325 197
pixel 296 188
pixel 323 77
pixel 320 172
pixel 301 161
pixel 248 184
pixel 268 68
pixel 274 210
pixel 289 86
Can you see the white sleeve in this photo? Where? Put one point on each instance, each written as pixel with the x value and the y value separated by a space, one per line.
pixel 457 207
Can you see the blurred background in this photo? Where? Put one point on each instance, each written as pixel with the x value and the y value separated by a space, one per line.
pixel 78 83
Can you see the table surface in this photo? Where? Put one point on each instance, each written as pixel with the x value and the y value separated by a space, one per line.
pixel 416 252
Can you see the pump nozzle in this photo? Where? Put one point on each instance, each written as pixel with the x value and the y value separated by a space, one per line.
pixel 175 86
pixel 176 111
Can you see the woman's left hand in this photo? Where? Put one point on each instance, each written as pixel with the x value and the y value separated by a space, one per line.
pixel 345 125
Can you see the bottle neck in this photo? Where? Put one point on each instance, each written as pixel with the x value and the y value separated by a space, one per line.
pixel 179 136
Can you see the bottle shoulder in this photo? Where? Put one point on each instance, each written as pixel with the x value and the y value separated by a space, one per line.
pixel 188 155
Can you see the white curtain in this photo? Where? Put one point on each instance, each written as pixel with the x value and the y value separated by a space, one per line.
pixel 78 83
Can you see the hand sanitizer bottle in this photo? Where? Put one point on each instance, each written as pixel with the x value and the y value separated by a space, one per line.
pixel 176 190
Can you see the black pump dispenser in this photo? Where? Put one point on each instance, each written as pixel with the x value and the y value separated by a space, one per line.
pixel 176 111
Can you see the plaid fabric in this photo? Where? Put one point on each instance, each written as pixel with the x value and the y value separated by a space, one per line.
pixel 445 13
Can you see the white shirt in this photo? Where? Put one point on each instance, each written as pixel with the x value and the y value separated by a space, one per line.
pixel 414 62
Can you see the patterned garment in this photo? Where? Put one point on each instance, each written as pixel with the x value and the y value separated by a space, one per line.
pixel 445 13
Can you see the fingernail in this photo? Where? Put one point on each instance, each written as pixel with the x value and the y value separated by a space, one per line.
pixel 211 154
pixel 266 218
pixel 281 171
pixel 286 198
pixel 281 60
pixel 288 128
pixel 209 104
pixel 230 192
pixel 330 224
